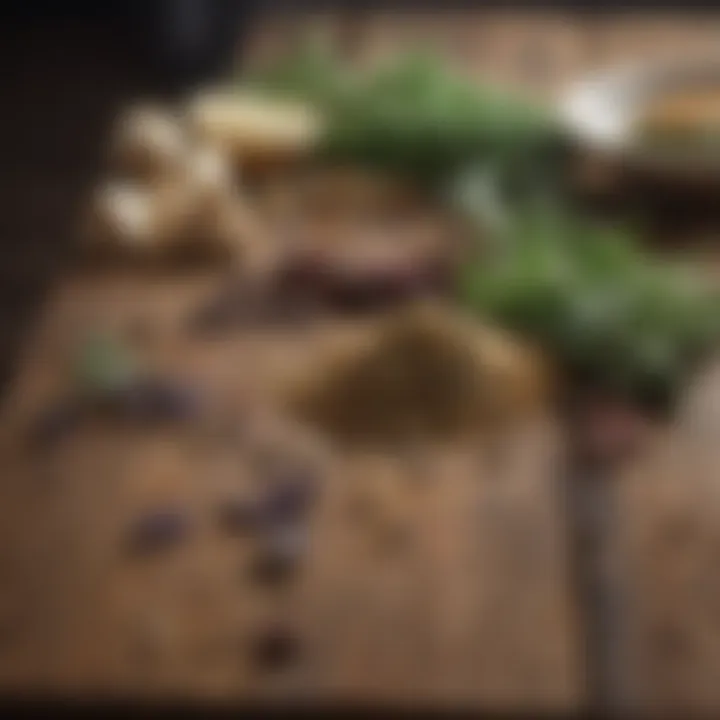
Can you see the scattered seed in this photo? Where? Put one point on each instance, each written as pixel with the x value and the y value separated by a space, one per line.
pixel 291 495
pixel 272 569
pixel 158 530
pixel 233 306
pixel 156 399
pixel 217 313
pixel 275 648
pixel 534 62
pixel 280 557
pixel 56 422
pixel 612 432
pixel 239 515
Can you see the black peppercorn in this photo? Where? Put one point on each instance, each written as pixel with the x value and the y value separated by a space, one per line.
pixel 275 648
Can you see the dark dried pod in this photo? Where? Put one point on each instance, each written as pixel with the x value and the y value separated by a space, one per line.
pixel 609 432
pixel 156 399
pixel 360 286
pixel 281 554
pixel 158 530
pixel 275 648
pixel 290 495
pixel 239 515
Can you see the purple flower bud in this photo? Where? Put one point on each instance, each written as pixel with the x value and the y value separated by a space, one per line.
pixel 290 495
pixel 158 530
pixel 157 400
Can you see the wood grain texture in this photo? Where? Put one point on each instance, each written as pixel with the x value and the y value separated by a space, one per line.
pixel 662 562
pixel 438 577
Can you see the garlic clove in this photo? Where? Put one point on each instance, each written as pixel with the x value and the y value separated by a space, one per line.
pixel 148 143
pixel 122 213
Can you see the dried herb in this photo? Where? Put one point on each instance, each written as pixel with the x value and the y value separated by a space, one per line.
pixel 413 115
pixel 612 316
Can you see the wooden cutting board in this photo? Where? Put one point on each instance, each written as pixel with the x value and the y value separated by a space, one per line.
pixel 461 598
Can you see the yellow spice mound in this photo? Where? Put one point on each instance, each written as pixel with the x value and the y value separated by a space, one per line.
pixel 426 372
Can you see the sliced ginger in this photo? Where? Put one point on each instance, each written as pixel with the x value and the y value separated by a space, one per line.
pixel 252 128
pixel 170 195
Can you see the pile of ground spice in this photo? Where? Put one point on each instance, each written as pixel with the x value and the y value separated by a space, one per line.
pixel 427 372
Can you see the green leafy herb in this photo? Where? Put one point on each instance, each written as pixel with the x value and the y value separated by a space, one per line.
pixel 611 316
pixel 309 71
pixel 413 114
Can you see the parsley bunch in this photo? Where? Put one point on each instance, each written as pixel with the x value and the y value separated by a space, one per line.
pixel 612 316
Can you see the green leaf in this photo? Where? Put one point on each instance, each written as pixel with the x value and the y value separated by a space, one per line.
pixel 593 299
pixel 103 365
pixel 412 114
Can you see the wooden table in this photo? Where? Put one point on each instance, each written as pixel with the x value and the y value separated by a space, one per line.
pixel 480 607
pixel 474 607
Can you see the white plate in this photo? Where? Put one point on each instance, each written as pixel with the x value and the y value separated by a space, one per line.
pixel 601 112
